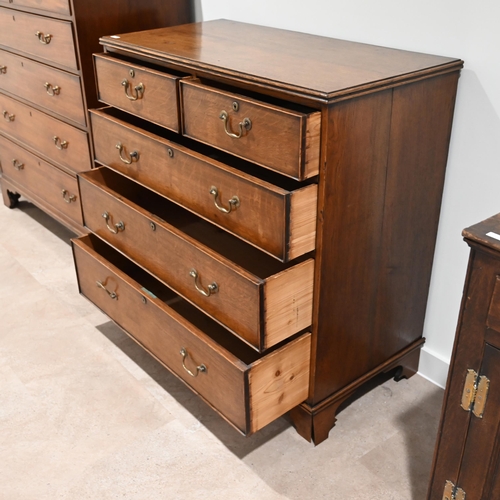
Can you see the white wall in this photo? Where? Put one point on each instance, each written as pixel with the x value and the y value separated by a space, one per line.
pixel 458 28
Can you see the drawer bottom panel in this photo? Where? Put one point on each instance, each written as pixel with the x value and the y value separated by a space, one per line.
pixel 248 389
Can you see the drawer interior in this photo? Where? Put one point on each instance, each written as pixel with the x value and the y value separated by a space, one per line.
pixel 152 286
pixel 231 247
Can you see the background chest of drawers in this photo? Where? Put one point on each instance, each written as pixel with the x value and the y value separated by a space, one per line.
pixel 46 86
pixel 265 217
pixel 467 456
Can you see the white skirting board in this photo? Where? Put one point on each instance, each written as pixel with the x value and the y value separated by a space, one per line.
pixel 433 367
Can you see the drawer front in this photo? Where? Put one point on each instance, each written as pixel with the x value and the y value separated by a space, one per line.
pixel 282 140
pixel 55 6
pixel 61 143
pixel 57 91
pixel 262 310
pixel 249 394
pixel 138 90
pixel 49 183
pixel 38 36
pixel 280 222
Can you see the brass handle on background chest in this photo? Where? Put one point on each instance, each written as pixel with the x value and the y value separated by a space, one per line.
pixel 211 289
pixel 52 90
pixel 102 285
pixel 116 228
pixel 60 145
pixel 68 198
pixel 134 155
pixel 199 368
pixel 17 165
pixel 234 202
pixel 8 117
pixel 138 89
pixel 246 124
pixel 3 70
pixel 44 39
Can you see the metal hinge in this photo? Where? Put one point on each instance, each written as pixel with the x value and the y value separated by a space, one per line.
pixel 475 393
pixel 452 492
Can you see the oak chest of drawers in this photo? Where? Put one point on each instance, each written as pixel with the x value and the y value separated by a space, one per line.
pixel 47 85
pixel 265 215
pixel 467 455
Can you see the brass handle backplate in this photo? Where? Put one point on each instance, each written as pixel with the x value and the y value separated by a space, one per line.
pixel 8 117
pixel 119 226
pixel 45 39
pixel 60 145
pixel 68 198
pixel 138 89
pixel 211 289
pixel 3 70
pixel 52 90
pixel 199 368
pixel 134 155
pixel 234 202
pixel 17 164
pixel 245 124
pixel 102 285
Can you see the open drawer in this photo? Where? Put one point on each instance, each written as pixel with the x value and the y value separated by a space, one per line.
pixel 249 390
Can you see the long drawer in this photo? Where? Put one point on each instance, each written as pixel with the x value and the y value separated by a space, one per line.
pixel 42 37
pixel 50 88
pixel 63 144
pixel 279 218
pixel 248 389
pixel 139 90
pixel 282 139
pixel 260 299
pixel 58 189
pixel 55 6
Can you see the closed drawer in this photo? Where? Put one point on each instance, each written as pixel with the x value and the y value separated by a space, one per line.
pixel 55 6
pixel 260 299
pixel 136 89
pixel 55 90
pixel 279 219
pixel 248 389
pixel 63 144
pixel 42 37
pixel 275 137
pixel 49 183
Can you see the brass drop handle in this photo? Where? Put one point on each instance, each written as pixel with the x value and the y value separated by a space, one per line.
pixel 52 90
pixel 119 226
pixel 134 155
pixel 234 202
pixel 139 90
pixel 102 285
pixel 60 145
pixel 3 70
pixel 8 117
pixel 211 289
pixel 245 124
pixel 68 198
pixel 44 39
pixel 17 164
pixel 199 368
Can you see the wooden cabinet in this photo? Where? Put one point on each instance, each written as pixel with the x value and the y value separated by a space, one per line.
pixel 266 208
pixel 467 456
pixel 46 85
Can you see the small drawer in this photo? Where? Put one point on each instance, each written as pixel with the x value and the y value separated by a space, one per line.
pixel 61 143
pixel 42 37
pixel 55 90
pixel 282 139
pixel 46 182
pixel 258 298
pixel 55 6
pixel 247 389
pixel 272 212
pixel 139 90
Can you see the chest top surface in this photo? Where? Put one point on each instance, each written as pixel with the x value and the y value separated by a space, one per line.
pixel 486 232
pixel 309 64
